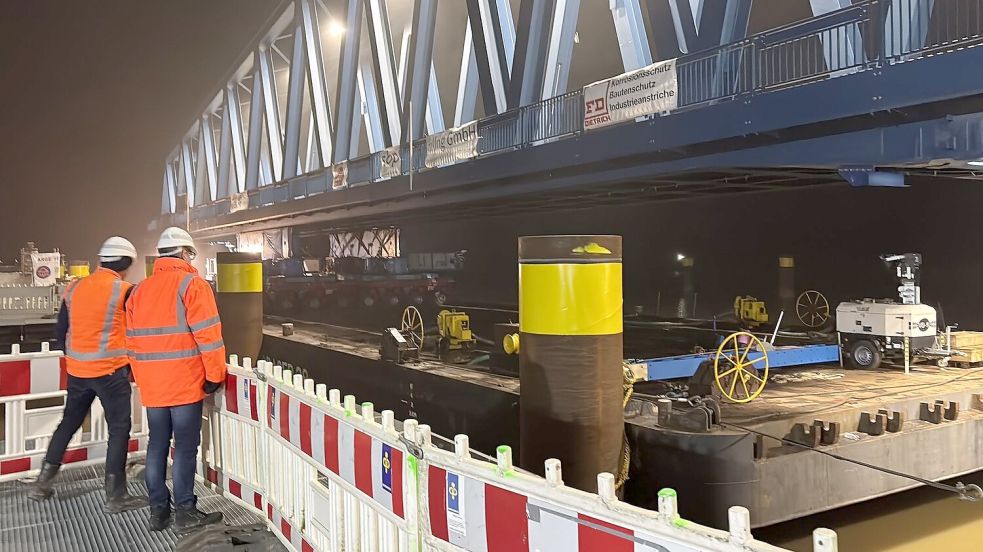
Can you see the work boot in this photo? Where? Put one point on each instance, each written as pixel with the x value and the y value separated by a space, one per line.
pixel 43 488
pixel 160 518
pixel 117 498
pixel 189 519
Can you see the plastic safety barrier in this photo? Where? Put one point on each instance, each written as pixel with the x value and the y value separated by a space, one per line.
pixel 331 475
pixel 32 391
pixel 327 476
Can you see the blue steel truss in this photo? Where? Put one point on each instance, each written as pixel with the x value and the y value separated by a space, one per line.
pixel 857 86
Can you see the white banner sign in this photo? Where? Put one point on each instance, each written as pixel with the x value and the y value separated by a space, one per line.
pixel 391 162
pixel 451 146
pixel 239 202
pixel 649 90
pixel 339 175
pixel 45 268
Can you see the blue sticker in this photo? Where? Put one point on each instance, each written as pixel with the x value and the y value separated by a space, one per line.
pixel 453 493
pixel 387 467
pixel 456 522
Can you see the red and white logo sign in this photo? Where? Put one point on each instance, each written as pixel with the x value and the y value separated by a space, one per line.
pixel 45 268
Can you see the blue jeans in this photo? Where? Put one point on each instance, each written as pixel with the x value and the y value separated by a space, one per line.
pixel 113 392
pixel 184 423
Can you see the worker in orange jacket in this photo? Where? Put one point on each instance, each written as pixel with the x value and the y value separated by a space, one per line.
pixel 174 337
pixel 91 331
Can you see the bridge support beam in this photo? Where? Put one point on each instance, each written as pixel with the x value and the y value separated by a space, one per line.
pixel 493 39
pixel 419 71
pixel 187 172
pixel 839 50
pixel 347 80
pixel 295 99
pixel 230 157
pixel 255 135
pixel 560 51
pixel 167 193
pixel 906 25
pixel 737 15
pixel 320 111
pixel 467 84
pixel 526 83
pixel 206 147
pixel 384 69
pixel 274 132
pixel 374 120
pixel 632 36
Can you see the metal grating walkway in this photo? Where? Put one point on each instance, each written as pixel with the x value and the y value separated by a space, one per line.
pixel 73 521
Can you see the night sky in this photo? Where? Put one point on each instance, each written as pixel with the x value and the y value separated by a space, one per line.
pixel 93 97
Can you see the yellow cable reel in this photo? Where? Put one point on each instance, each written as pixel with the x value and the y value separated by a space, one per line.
pixel 736 376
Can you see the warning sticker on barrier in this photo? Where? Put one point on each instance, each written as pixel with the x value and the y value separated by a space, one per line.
pixel 455 506
pixel 651 89
pixel 387 468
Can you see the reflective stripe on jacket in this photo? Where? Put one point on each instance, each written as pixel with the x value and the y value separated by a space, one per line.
pixel 96 343
pixel 174 335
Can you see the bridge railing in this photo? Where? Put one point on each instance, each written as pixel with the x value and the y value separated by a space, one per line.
pixel 866 35
pixel 952 23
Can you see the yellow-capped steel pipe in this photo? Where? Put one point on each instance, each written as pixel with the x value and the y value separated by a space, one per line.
pixel 78 269
pixel 245 277
pixel 239 287
pixel 570 361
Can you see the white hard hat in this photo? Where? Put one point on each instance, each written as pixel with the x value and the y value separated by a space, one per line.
pixel 174 238
pixel 115 248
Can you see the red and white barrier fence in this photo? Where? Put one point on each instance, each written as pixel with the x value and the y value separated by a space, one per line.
pixel 330 475
pixel 32 391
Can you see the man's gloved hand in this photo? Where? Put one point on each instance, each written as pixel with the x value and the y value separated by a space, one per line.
pixel 211 386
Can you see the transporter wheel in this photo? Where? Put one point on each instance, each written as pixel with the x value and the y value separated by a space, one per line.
pixel 864 355
pixel 739 377
pixel 412 327
pixel 812 308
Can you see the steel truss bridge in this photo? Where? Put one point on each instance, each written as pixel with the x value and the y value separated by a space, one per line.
pixel 867 92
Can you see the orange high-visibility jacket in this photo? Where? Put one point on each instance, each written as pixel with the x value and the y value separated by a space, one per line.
pixel 174 335
pixel 96 343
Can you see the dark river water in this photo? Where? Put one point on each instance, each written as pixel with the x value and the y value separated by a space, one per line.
pixel 921 520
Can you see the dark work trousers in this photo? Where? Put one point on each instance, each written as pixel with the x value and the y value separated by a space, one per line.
pixel 113 392
pixel 184 423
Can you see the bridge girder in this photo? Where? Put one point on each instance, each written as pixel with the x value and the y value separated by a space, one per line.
pixel 315 92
